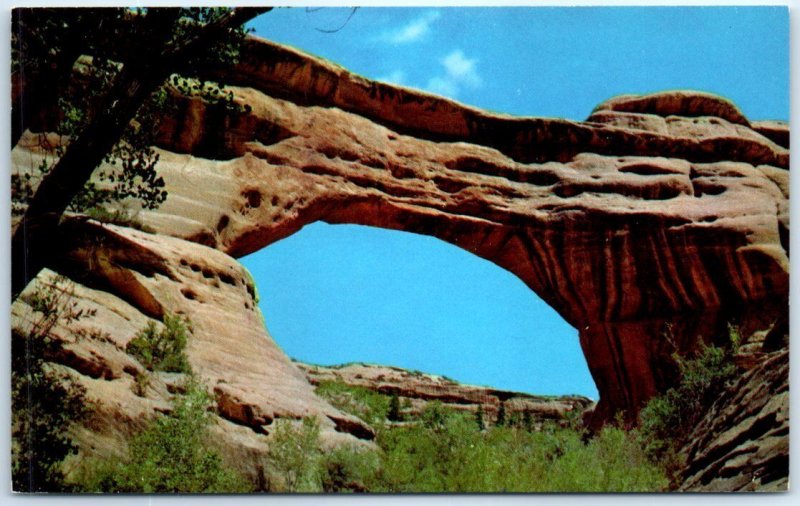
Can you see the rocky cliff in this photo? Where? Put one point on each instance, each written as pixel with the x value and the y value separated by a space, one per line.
pixel 742 442
pixel 648 227
pixel 415 390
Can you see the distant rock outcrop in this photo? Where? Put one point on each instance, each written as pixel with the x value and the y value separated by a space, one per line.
pixel 418 389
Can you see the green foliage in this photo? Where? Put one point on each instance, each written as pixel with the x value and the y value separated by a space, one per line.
pixel 162 350
pixel 527 420
pixel 394 414
pixel 350 469
pixel 479 418
pixel 295 459
pixel 141 382
pixel 120 217
pixel 452 456
pixel 446 451
pixel 44 403
pixel 616 464
pixel 667 420
pixel 169 455
pixel 370 406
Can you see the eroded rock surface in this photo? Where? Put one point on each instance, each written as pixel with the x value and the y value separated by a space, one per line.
pixel 647 227
pixel 742 443
pixel 416 390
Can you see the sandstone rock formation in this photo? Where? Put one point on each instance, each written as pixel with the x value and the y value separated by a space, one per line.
pixel 648 227
pixel 138 277
pixel 663 214
pixel 742 443
pixel 419 389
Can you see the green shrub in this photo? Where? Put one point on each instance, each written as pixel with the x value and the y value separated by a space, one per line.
pixel 349 469
pixel 140 383
pixel 667 420
pixel 162 350
pixel 294 462
pixel 453 456
pixel 393 413
pixel 366 404
pixel 501 414
pixel 616 463
pixel 169 455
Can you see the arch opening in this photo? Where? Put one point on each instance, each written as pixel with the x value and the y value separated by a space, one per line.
pixel 334 294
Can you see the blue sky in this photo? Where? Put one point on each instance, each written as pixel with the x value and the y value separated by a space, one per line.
pixel 333 294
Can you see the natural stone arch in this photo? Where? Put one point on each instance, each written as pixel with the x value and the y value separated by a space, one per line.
pixel 666 209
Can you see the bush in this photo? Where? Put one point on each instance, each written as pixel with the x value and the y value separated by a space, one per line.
pixel 667 420
pixel 117 217
pixel 295 458
pixel 169 455
pixel 370 406
pixel 349 469
pixel 448 453
pixel 394 414
pixel 618 464
pixel 162 350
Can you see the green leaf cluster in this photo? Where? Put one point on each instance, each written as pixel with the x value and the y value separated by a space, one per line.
pixel 667 420
pixel 162 349
pixel 453 455
pixel 446 451
pixel 364 403
pixel 170 455
pixel 295 459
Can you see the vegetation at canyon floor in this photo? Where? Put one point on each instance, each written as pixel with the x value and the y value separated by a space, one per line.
pixel 434 449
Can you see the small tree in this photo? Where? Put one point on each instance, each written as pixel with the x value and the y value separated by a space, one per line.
pixel 154 44
pixel 295 457
pixel 667 420
pixel 527 420
pixel 394 414
pixel 170 455
pixel 162 350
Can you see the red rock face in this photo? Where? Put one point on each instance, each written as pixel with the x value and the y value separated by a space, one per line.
pixel 648 227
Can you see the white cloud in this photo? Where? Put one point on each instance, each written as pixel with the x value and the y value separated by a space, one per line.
pixel 394 77
pixel 462 69
pixel 414 30
pixel 459 72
